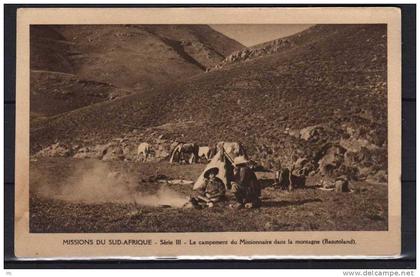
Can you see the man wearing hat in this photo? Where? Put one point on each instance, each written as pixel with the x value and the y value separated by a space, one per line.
pixel 213 190
pixel 245 185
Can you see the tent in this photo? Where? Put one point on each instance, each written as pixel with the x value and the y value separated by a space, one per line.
pixel 223 160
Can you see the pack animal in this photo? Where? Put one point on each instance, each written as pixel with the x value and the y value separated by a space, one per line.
pixel 206 152
pixel 185 152
pixel 144 151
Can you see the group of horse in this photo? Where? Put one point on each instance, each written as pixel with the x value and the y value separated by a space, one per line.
pixel 180 152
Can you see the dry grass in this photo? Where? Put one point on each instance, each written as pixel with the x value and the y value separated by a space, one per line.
pixel 334 80
pixel 307 209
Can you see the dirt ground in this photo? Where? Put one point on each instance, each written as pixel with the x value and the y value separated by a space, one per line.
pixel 61 200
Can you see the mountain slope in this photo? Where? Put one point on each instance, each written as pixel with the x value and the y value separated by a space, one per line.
pixel 337 81
pixel 306 38
pixel 54 92
pixel 127 57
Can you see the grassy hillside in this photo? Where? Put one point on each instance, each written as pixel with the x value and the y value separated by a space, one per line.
pixel 335 79
pixel 54 92
pixel 127 57
pixel 57 206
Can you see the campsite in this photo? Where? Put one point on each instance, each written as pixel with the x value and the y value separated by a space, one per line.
pixel 307 209
pixel 120 143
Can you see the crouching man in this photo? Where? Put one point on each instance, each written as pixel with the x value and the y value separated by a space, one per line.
pixel 213 190
pixel 245 185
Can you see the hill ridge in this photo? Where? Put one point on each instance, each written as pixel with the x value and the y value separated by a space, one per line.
pixel 274 105
pixel 274 46
pixel 130 58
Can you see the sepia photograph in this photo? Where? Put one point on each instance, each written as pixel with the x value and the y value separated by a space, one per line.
pixel 176 128
pixel 210 128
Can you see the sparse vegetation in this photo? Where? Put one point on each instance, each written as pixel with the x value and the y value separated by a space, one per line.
pixel 307 209
pixel 323 99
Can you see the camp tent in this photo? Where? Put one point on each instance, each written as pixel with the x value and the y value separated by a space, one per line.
pixel 175 153
pixel 223 160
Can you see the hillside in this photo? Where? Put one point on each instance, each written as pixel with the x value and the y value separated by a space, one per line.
pixel 125 57
pixel 54 92
pixel 288 104
pixel 303 39
pixel 128 56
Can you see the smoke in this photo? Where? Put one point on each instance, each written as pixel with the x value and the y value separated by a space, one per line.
pixel 96 182
pixel 164 196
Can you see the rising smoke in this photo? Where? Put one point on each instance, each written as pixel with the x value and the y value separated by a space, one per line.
pixel 96 182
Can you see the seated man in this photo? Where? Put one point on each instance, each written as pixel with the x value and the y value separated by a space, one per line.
pixel 245 186
pixel 213 190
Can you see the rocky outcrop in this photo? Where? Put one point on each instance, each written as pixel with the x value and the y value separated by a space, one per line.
pixel 122 149
pixel 311 133
pixel 265 49
pixel 55 150
pixel 331 160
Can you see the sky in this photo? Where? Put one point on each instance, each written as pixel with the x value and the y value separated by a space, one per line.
pixel 253 34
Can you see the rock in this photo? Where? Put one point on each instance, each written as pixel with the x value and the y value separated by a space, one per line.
pixel 294 133
pixel 84 153
pixel 113 153
pixel 327 183
pixel 54 150
pixel 100 150
pixel 312 133
pixel 380 177
pixel 333 158
pixel 126 150
pixel 128 153
pixel 364 172
pixel 268 226
pixel 302 167
pixel 161 153
pixel 356 145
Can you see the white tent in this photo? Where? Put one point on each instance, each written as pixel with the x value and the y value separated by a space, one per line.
pixel 223 160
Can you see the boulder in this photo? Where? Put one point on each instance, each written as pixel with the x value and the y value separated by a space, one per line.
pixel 332 159
pixel 128 152
pixel 100 150
pixel 380 177
pixel 356 145
pixel 364 172
pixel 311 133
pixel 162 151
pixel 327 183
pixel 84 153
pixel 292 132
pixel 113 153
pixel 302 167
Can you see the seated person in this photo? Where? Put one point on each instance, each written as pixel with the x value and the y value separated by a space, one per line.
pixel 213 190
pixel 245 186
